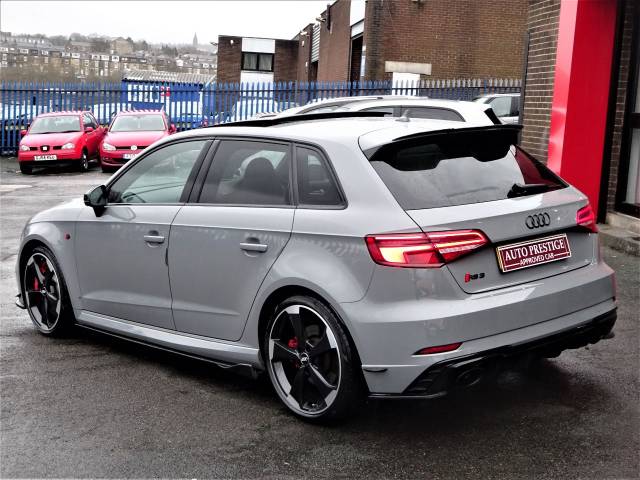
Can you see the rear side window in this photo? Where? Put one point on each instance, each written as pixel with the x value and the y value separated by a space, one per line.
pixel 316 185
pixel 433 113
pixel 502 106
pixel 248 173
pixel 388 111
pixel 453 170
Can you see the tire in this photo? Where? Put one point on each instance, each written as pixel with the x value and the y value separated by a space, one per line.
pixel 316 379
pixel 26 169
pixel 45 293
pixel 83 164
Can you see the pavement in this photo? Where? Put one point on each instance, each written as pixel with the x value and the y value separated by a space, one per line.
pixel 93 406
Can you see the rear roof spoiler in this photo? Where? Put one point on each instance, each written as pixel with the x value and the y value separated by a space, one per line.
pixel 304 117
pixel 502 134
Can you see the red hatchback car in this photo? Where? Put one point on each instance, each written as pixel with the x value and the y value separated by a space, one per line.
pixel 60 138
pixel 131 132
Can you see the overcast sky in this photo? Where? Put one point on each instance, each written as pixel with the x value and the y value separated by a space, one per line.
pixel 167 21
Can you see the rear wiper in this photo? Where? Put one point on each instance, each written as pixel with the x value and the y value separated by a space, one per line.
pixel 520 190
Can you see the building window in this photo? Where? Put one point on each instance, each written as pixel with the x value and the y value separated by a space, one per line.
pixel 257 62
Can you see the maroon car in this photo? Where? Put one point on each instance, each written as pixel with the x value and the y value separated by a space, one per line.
pixel 60 138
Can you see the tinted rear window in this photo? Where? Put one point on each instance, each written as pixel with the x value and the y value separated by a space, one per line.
pixel 449 171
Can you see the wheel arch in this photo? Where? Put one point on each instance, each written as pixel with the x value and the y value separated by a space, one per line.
pixel 27 248
pixel 281 293
pixel 60 241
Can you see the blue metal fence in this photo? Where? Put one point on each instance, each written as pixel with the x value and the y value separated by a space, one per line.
pixel 192 105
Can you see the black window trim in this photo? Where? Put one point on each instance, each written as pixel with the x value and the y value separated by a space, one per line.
pixel 194 199
pixel 196 190
pixel 204 154
pixel 257 69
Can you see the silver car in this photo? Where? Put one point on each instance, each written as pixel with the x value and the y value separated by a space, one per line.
pixel 346 257
pixel 427 108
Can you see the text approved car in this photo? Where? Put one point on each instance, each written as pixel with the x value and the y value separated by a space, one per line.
pixel 60 138
pixel 344 257
pixel 129 133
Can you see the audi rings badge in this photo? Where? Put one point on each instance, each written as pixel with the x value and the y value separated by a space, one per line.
pixel 538 220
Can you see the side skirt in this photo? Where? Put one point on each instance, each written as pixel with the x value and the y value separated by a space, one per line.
pixel 245 360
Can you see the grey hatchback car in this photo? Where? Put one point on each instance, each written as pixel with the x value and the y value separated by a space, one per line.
pixel 346 257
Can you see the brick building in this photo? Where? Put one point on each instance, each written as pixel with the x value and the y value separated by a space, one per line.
pixel 582 98
pixel 401 39
pixel 249 59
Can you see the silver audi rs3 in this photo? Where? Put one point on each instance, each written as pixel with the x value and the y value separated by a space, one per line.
pixel 345 255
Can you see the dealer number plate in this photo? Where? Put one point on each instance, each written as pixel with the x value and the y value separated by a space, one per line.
pixel 534 252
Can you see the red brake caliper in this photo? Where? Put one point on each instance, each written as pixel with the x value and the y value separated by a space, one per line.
pixel 293 344
pixel 35 280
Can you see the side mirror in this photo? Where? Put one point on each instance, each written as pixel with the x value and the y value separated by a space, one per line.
pixel 172 128
pixel 96 198
pixel 23 133
pixel 88 129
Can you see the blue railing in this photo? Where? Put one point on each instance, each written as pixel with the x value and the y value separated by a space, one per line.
pixel 192 105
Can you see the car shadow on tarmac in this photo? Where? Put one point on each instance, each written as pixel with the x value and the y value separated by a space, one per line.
pixel 513 394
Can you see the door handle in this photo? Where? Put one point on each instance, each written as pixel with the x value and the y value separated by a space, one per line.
pixel 254 247
pixel 154 239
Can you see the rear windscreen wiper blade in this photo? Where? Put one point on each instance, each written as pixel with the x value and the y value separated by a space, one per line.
pixel 521 190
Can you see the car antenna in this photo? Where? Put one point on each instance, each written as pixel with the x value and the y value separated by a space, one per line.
pixel 404 117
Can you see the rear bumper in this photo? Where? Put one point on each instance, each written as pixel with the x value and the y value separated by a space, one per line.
pixel 448 375
pixel 388 332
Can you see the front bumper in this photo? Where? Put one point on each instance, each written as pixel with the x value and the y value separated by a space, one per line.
pixel 62 157
pixel 115 158
pixel 448 375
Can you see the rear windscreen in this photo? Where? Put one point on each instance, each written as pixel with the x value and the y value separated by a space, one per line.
pixel 450 171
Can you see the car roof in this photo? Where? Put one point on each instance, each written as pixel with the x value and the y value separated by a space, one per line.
pixel 64 112
pixel 137 112
pixel 470 111
pixel 492 95
pixel 458 105
pixel 338 101
pixel 376 130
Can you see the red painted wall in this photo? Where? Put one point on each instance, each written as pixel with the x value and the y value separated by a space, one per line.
pixel 581 92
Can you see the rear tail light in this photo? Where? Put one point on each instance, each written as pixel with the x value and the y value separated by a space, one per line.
pixel 585 217
pixel 423 250
pixel 439 349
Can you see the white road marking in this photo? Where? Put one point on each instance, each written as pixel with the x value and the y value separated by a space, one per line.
pixel 12 187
